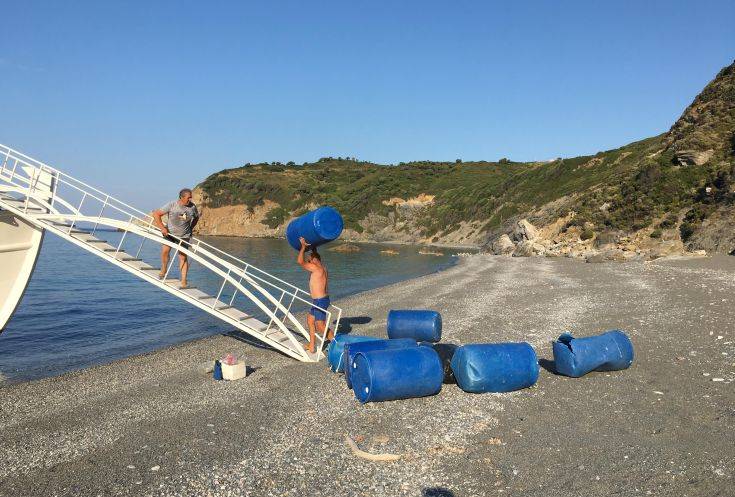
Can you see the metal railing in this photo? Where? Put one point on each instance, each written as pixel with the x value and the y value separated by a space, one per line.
pixel 22 174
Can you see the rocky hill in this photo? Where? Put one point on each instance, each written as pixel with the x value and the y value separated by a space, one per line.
pixel 666 194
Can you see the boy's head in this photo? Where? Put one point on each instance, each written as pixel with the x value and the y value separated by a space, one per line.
pixel 314 256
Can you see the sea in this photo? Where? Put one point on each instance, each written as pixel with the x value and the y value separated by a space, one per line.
pixel 79 311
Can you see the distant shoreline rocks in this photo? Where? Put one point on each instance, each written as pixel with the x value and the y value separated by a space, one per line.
pixel 559 239
pixel 346 248
pixel 430 252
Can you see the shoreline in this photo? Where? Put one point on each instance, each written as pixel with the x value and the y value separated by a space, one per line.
pixel 154 425
pixel 7 381
pixel 372 242
pixel 458 260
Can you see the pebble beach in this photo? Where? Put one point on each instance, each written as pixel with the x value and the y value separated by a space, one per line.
pixel 156 425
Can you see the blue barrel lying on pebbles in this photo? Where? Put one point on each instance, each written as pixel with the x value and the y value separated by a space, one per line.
pixel 394 374
pixel 495 367
pixel 336 348
pixel 317 227
pixel 575 357
pixel 446 353
pixel 351 349
pixel 421 325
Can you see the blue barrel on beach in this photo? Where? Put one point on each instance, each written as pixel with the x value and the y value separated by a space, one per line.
pixel 495 367
pixel 336 348
pixel 318 227
pixel 217 372
pixel 421 325
pixel 393 374
pixel 575 357
pixel 351 349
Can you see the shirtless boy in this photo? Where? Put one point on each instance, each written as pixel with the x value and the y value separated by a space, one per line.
pixel 318 288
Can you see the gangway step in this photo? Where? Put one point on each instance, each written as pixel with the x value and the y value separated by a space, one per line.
pixel 141 266
pixel 122 256
pixel 56 224
pixel 93 240
pixel 21 204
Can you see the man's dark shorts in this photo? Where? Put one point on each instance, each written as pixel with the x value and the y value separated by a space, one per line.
pixel 319 314
pixel 185 243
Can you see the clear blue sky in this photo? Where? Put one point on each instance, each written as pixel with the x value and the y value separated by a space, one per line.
pixel 141 98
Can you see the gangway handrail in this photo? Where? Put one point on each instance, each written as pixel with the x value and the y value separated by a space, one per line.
pixel 108 198
pixel 147 216
pixel 59 173
pixel 122 225
pixel 199 242
pixel 141 224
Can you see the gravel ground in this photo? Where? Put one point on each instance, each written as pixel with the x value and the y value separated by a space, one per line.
pixel 155 425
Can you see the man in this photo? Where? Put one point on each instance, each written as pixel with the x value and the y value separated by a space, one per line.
pixel 318 289
pixel 182 217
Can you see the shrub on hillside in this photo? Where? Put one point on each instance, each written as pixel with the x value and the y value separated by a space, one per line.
pixel 669 221
pixel 686 230
pixel 275 217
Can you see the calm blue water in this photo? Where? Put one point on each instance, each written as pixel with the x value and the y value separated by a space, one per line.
pixel 79 310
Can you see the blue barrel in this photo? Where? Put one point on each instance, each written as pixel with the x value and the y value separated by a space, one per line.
pixel 495 367
pixel 576 357
pixel 353 348
pixel 317 227
pixel 446 354
pixel 396 374
pixel 217 372
pixel 422 326
pixel 337 347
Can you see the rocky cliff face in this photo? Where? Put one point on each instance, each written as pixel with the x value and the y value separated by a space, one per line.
pixel 716 233
pixel 704 137
pixel 401 225
pixel 560 240
pixel 707 126
pixel 234 220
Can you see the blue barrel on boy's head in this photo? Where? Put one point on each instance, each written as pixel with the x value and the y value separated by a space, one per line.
pixel 352 349
pixel 575 357
pixel 421 325
pixel 394 374
pixel 495 367
pixel 317 227
pixel 336 348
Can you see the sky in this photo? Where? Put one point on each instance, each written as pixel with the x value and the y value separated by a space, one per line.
pixel 142 98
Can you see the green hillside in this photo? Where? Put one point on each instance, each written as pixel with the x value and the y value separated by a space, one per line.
pixel 659 181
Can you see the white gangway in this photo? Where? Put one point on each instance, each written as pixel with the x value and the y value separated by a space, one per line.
pixel 35 197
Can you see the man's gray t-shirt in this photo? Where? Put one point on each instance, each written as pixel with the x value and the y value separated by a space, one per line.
pixel 180 218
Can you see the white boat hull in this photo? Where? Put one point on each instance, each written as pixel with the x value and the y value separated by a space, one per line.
pixel 20 243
